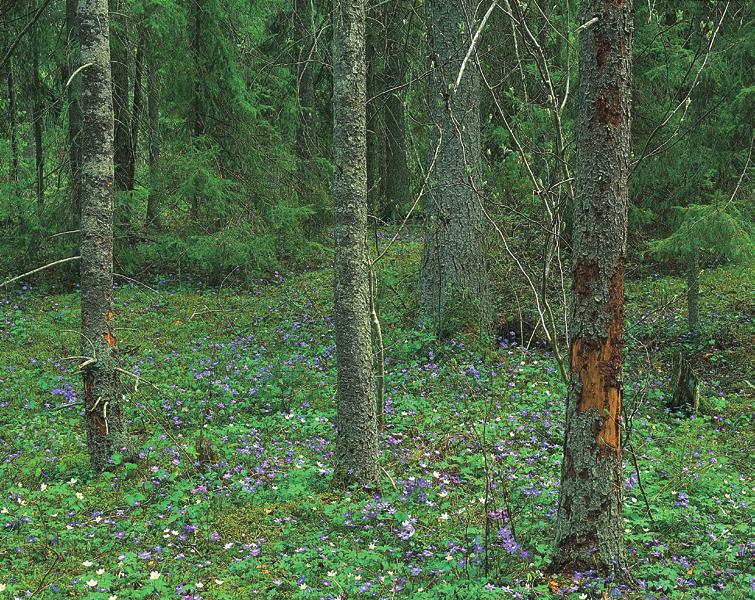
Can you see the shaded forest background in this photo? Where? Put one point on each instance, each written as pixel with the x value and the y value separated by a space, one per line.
pixel 223 133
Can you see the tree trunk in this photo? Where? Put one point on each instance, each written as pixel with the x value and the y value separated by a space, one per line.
pixel 13 126
pixel 36 116
pixel 356 442
pixel 303 37
pixel 589 530
pixel 453 276
pixel 136 110
pixel 693 292
pixel 685 386
pixel 101 402
pixel 120 68
pixel 74 109
pixel 153 149
pixel 375 123
pixel 197 115
pixel 397 181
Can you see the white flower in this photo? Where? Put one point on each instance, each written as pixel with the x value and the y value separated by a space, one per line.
pixel 72 481
pixel 43 487
pixel 302 586
pixel 199 585
pixel 371 546
pixel 79 495
pixel 2 587
pixel 331 573
pixel 112 597
pixel 219 581
pixel 3 511
pixel 87 563
pixel 154 575
pixel 449 557
pixel 100 571
pixel 443 517
pixel 92 582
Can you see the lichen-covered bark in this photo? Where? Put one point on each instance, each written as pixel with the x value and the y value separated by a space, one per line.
pixel 589 532
pixel 356 442
pixel 453 275
pixel 103 411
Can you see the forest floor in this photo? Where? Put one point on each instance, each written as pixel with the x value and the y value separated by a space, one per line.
pixel 232 414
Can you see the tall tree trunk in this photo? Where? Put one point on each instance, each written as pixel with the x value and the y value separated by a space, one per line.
pixel 120 68
pixel 197 115
pixel 356 442
pixel 693 292
pixel 375 125
pixel 12 125
pixel 36 116
pixel 153 149
pixel 74 109
pixel 136 110
pixel 303 38
pixel 453 279
pixel 101 402
pixel 397 181
pixel 589 530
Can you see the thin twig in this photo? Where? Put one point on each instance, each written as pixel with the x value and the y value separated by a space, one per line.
pixel 52 264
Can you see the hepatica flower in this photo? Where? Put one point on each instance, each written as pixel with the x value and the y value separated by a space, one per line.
pixel 407 529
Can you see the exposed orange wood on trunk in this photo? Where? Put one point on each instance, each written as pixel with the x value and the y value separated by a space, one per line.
pixel 598 365
pixel 110 338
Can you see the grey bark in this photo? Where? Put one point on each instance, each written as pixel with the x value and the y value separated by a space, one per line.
pixel 397 180
pixel 303 35
pixel 693 292
pixel 685 386
pixel 153 145
pixel 136 111
pixel 356 441
pixel 120 67
pixel 101 401
pixel 589 529
pixel 453 277
pixel 376 179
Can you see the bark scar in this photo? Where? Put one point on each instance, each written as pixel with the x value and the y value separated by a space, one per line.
pixel 598 364
pixel 109 338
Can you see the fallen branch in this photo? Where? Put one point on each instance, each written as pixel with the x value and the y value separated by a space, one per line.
pixel 52 264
